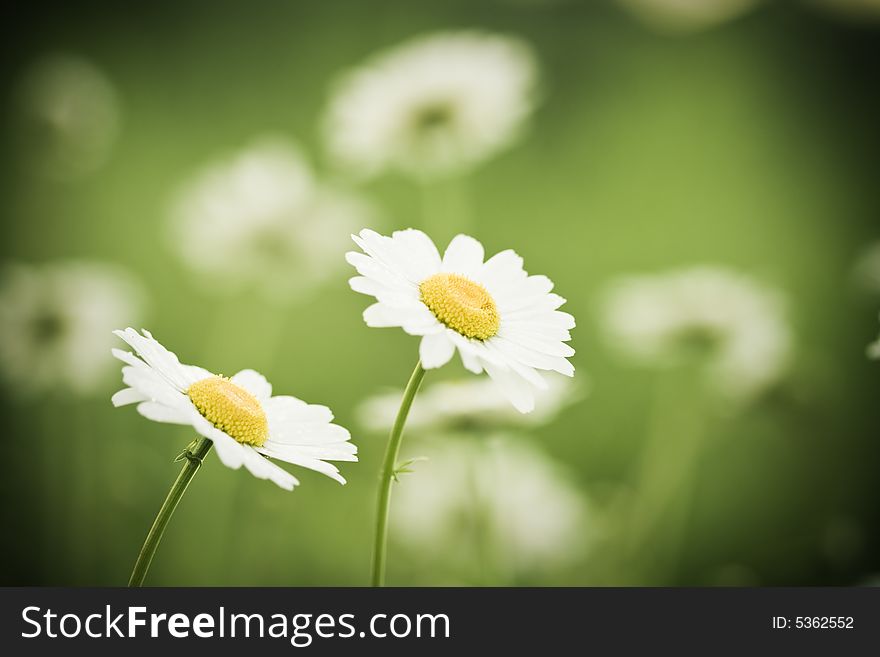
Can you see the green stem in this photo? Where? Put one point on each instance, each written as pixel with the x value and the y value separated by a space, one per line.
pixel 388 475
pixel 194 455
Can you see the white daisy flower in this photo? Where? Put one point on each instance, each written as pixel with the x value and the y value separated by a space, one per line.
pixel 55 323
pixel 467 403
pixel 501 497
pixel 736 325
pixel 68 115
pixel 500 319
pixel 259 219
pixel 686 15
pixel 238 414
pixel 434 105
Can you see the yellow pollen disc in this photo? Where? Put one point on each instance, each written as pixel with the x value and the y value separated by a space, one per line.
pixel 230 408
pixel 461 304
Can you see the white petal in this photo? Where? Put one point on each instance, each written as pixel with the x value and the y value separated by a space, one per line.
pixel 514 387
pixel 291 454
pixel 539 321
pixel 521 354
pixel 500 269
pixel 233 455
pixel 525 371
pixel 311 433
pixel 291 409
pixel 395 255
pixel 516 330
pixel 328 452
pixel 153 386
pixel 254 382
pixel 157 357
pixel 421 249
pixel 161 413
pixel 534 291
pixel 470 361
pixel 537 343
pixel 395 297
pixel 475 348
pixel 128 396
pixel 436 350
pixel 263 468
pixel 415 320
pixel 128 358
pixel 369 267
pixel 195 373
pixel 464 255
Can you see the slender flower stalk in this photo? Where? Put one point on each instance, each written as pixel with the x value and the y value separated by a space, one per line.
pixel 194 454
pixel 389 474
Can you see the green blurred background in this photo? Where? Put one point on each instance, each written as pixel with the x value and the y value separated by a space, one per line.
pixel 753 144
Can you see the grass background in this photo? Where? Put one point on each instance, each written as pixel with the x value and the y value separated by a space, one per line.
pixel 754 145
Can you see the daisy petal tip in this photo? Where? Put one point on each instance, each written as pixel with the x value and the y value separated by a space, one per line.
pixel 124 397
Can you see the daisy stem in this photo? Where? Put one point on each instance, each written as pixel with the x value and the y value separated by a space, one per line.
pixel 194 455
pixel 389 473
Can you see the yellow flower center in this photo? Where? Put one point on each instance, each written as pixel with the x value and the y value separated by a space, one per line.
pixel 461 304
pixel 230 408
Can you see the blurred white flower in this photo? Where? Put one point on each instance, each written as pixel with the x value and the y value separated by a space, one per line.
pixel 259 219
pixel 678 16
pixel 737 325
pixel 55 323
pixel 498 318
pixel 866 270
pixel 68 117
pixel 501 497
pixel 239 415
pixel 434 105
pixel 467 403
pixel 874 350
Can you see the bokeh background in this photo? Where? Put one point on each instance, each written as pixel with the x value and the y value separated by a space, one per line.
pixel 750 142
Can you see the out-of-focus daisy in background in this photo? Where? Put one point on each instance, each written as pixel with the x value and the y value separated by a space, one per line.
pixel 866 271
pixel 68 117
pixel 55 323
pixel 874 350
pixel 683 16
pixel 469 403
pixel 238 414
pixel 491 510
pixel 259 219
pixel 722 339
pixel 732 325
pixel 432 106
pixel 499 319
